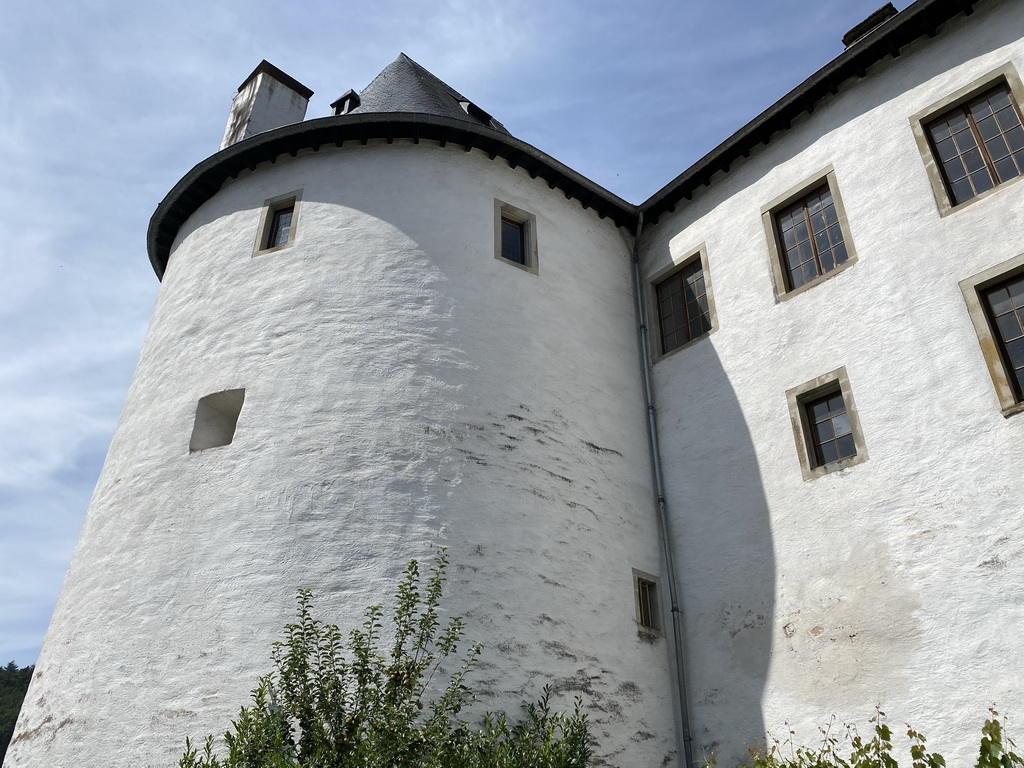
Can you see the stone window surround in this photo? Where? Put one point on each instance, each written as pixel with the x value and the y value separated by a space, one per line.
pixel 270 207
pixel 1003 74
pixel 776 256
pixel 529 222
pixel 798 398
pixel 651 296
pixel 651 631
pixel 972 288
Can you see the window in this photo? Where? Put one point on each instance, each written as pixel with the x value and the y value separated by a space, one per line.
pixel 685 307
pixel 972 141
pixel 216 418
pixel 515 236
pixel 808 237
pixel 277 223
pixel 648 607
pixel 979 144
pixel 281 226
pixel 825 425
pixel 995 301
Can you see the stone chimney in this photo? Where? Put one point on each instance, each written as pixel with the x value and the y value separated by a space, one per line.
pixel 266 100
pixel 869 24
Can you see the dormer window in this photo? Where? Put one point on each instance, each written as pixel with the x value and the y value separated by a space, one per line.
pixel 475 112
pixel 348 102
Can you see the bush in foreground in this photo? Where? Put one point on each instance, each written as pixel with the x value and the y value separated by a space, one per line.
pixel 337 700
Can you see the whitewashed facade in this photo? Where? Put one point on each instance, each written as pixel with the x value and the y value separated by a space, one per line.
pixel 406 387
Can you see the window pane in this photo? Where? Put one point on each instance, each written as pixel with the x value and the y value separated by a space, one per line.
pixel 999 300
pixel 818 410
pixel 988 128
pixel 954 169
pixel 1015 138
pixel 1016 290
pixel 823 431
pixel 839 253
pixel 809 272
pixel 982 181
pixel 828 262
pixel 1006 168
pixel 1009 326
pixel 841 423
pixel 847 447
pixel 828 453
pixel 1015 351
pixel 962 190
pixel 836 404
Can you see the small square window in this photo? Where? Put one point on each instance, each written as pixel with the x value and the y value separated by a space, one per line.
pixel 216 419
pixel 808 236
pixel 648 605
pixel 995 301
pixel 278 223
pixel 973 140
pixel 515 236
pixel 685 306
pixel 825 425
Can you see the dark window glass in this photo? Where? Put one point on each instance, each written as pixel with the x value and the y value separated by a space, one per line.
pixel 830 430
pixel 810 237
pixel 979 144
pixel 1005 305
pixel 280 226
pixel 683 307
pixel 513 241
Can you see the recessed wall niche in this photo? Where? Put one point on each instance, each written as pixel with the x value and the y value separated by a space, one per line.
pixel 216 417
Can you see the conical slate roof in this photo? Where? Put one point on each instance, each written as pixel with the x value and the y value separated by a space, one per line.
pixel 405 86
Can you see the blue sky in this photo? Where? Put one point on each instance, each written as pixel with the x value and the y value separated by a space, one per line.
pixel 104 105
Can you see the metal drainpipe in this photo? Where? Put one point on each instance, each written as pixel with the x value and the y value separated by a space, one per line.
pixel 666 541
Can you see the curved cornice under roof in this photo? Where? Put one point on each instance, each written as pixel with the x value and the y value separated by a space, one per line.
pixel 205 179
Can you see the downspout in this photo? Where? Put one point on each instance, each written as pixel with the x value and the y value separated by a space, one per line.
pixel 666 539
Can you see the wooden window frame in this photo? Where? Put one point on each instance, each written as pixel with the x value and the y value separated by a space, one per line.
pixel 1003 75
pixel 1011 402
pixel 647 593
pixel 528 221
pixel 268 218
pixel 776 252
pixel 799 399
pixel 692 257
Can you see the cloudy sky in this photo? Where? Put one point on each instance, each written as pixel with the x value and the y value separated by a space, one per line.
pixel 105 104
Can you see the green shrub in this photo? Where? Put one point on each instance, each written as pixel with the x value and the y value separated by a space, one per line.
pixel 851 750
pixel 337 700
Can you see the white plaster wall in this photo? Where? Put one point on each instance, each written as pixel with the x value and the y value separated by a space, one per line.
pixel 896 581
pixel 404 389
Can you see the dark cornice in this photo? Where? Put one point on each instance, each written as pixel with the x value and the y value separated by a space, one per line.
pixel 923 18
pixel 206 178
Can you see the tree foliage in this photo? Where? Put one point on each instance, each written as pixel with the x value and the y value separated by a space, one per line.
pixel 13 685
pixel 337 700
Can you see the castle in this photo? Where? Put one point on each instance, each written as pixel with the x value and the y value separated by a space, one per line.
pixel 748 452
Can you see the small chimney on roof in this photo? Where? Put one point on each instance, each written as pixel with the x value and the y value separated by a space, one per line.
pixel 266 100
pixel 876 19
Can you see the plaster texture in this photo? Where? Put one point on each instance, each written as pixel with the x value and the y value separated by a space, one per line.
pixel 262 104
pixel 404 390
pixel 896 581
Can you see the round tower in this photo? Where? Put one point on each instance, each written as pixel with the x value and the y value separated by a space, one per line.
pixel 380 332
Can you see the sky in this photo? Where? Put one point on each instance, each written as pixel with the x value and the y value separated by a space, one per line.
pixel 104 105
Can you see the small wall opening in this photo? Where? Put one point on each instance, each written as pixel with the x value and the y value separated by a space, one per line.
pixel 216 418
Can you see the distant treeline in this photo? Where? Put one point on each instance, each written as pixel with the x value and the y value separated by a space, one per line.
pixel 13 685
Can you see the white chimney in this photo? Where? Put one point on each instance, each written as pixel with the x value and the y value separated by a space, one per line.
pixel 266 100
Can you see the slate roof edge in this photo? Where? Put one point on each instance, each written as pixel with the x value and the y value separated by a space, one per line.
pixel 924 17
pixel 205 179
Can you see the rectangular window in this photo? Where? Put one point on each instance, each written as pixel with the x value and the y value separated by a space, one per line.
pixel 278 223
pixel 648 606
pixel 995 302
pixel 825 425
pixel 808 236
pixel 515 236
pixel 513 240
pixel 1005 305
pixel 972 141
pixel 683 307
pixel 281 226
pixel 979 144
